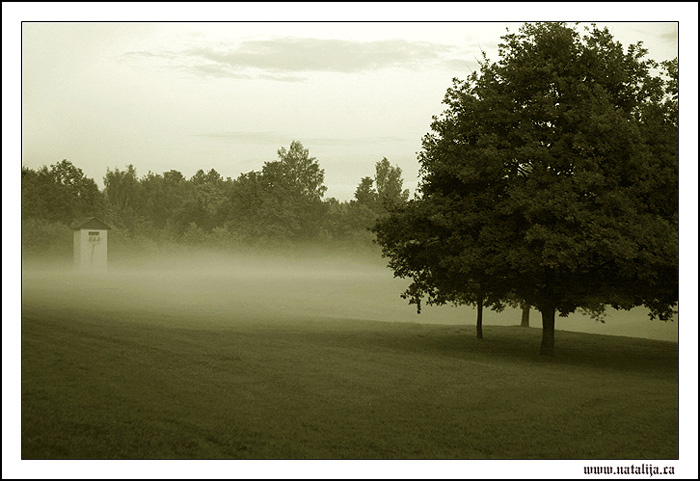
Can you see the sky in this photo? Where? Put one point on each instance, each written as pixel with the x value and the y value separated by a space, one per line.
pixel 227 96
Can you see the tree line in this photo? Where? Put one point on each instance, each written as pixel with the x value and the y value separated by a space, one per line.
pixel 550 181
pixel 282 204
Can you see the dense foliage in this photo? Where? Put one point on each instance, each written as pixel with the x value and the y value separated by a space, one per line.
pixel 552 179
pixel 281 204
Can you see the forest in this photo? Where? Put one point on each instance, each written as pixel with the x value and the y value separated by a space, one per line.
pixel 281 205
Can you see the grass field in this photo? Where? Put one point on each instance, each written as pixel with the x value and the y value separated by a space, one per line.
pixel 319 363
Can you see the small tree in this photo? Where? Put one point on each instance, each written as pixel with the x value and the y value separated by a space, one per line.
pixel 441 252
pixel 390 191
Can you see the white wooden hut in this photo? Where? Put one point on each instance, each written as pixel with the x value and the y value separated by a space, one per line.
pixel 90 243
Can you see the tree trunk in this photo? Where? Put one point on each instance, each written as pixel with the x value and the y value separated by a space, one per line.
pixel 547 346
pixel 525 319
pixel 479 318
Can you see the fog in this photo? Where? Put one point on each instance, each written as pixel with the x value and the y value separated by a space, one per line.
pixel 214 290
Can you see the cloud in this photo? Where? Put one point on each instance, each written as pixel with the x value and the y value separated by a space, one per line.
pixel 309 55
pixel 283 78
pixel 283 59
pixel 670 36
pixel 204 70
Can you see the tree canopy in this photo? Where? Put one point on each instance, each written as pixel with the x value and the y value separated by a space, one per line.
pixel 280 205
pixel 59 193
pixel 551 178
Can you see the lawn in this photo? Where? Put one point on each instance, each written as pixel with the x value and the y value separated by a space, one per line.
pixel 113 374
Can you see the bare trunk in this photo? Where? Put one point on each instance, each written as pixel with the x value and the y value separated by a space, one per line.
pixel 479 318
pixel 525 318
pixel 547 346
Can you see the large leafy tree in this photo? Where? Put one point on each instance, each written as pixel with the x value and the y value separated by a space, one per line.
pixel 448 247
pixel 59 193
pixel 280 204
pixel 296 173
pixel 125 200
pixel 552 178
pixel 163 196
pixel 206 200
pixel 294 189
pixel 245 197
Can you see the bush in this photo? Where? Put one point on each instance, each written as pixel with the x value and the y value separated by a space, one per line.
pixel 44 239
pixel 127 248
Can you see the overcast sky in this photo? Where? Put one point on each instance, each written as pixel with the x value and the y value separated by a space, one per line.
pixel 192 96
pixel 227 96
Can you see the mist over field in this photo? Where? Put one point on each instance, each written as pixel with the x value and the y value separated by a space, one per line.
pixel 224 295
pixel 211 289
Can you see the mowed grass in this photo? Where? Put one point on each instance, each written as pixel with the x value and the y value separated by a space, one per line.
pixel 117 371
pixel 103 388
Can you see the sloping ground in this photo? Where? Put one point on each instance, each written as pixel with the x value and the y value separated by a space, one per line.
pixel 129 382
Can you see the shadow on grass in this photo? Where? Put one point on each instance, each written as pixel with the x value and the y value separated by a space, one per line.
pixel 501 343
pixel 126 385
pixel 516 344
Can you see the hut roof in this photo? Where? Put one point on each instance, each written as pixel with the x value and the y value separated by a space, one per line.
pixel 89 223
